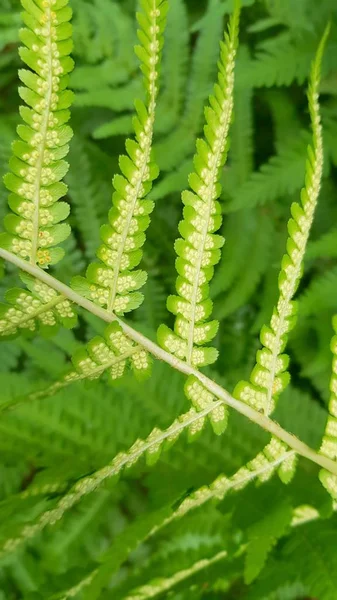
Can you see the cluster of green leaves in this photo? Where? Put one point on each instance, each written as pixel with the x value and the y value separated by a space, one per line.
pixel 175 529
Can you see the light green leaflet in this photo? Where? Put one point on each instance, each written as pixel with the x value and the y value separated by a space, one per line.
pixel 269 376
pixel 37 166
pixel 113 283
pixel 329 443
pixel 198 249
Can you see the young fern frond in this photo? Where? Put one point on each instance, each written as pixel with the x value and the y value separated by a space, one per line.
pixel 269 376
pixel 37 164
pixel 198 249
pixel 113 282
pixel 329 443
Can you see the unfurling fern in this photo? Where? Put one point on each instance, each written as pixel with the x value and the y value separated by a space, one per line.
pixel 199 248
pixel 113 282
pixel 270 377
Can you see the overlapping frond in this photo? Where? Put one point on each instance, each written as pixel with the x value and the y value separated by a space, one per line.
pixel 113 283
pixel 199 247
pixel 269 376
pixel 329 443
pixel 37 165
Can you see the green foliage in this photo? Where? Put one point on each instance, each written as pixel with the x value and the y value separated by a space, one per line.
pixel 113 284
pixel 198 249
pixel 86 511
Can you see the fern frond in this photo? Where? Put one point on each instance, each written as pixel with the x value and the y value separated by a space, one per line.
pixel 109 354
pixel 175 64
pixel 320 294
pixel 324 247
pixel 312 549
pixel 113 283
pixel 329 443
pixel 37 164
pixel 280 60
pixel 274 457
pixel 173 149
pixel 263 535
pixel 269 376
pixel 281 175
pixel 84 195
pixel 40 305
pixel 255 257
pixel 165 585
pixel 199 248
pixel 158 440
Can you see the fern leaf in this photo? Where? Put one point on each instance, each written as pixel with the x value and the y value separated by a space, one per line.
pixel 113 283
pixel 274 457
pixel 175 63
pixel 320 294
pixel 329 443
pixel 199 249
pixel 158 440
pixel 173 149
pixel 269 376
pixel 312 549
pixel 280 60
pixel 40 305
pixel 165 585
pixel 83 194
pixel 256 257
pixel 37 164
pixel 281 175
pixel 109 354
pixel 263 535
pixel 324 247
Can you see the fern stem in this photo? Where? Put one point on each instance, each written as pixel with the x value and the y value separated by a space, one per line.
pixel 253 415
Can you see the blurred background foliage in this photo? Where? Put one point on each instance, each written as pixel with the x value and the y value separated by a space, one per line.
pixel 82 428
